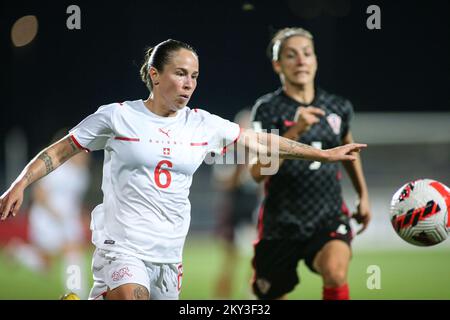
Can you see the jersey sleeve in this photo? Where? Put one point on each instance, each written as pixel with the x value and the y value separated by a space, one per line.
pixel 347 118
pixel 224 131
pixel 94 131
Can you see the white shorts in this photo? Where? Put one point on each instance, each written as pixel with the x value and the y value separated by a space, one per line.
pixel 113 269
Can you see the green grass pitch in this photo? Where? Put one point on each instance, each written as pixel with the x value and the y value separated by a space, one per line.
pixel 421 273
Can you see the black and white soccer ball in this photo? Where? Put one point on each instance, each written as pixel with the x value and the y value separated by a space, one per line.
pixel 419 212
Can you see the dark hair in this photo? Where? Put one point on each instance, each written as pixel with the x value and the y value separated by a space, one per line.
pixel 276 44
pixel 158 56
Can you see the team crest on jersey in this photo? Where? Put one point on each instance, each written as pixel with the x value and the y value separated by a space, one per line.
pixel 166 151
pixel 119 274
pixel 335 122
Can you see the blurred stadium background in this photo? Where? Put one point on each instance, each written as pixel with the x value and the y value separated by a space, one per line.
pixel 396 77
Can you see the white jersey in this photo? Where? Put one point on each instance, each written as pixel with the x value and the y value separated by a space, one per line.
pixel 147 173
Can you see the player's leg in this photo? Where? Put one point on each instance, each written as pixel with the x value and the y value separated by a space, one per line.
pixel 119 276
pixel 224 285
pixel 275 268
pixel 225 230
pixel 332 263
pixel 329 255
pixel 129 291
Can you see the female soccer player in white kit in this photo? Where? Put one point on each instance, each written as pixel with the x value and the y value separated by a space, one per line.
pixel 152 149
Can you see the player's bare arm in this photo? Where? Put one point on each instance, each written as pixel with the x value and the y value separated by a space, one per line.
pixel 305 118
pixel 45 162
pixel 265 144
pixel 355 172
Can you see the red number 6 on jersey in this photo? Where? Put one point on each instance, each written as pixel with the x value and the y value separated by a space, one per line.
pixel 159 171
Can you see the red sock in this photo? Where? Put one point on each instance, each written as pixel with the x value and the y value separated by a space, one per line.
pixel 339 293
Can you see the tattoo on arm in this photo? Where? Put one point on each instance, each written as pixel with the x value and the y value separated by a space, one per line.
pixel 140 293
pixel 48 162
pixel 283 146
pixel 69 153
pixel 292 144
pixel 28 177
pixel 294 148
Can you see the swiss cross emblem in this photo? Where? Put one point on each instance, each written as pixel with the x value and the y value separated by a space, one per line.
pixel 166 151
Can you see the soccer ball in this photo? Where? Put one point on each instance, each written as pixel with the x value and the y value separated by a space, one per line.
pixel 419 212
pixel 70 296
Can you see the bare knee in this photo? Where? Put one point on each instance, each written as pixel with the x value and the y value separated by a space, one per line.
pixel 334 275
pixel 129 291
pixel 332 263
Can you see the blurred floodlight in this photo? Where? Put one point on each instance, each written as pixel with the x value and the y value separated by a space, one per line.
pixel 24 31
pixel 247 6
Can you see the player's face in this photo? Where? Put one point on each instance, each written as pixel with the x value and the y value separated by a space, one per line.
pixel 178 80
pixel 298 62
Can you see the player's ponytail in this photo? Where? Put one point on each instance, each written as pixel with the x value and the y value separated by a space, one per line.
pixel 145 76
pixel 158 56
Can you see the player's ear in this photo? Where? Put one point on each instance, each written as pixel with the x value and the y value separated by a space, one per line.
pixel 154 75
pixel 276 66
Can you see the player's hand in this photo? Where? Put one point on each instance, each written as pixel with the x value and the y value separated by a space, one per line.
pixel 363 214
pixel 11 201
pixel 306 117
pixel 344 153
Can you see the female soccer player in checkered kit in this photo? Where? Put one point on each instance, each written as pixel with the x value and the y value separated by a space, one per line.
pixel 303 215
pixel 152 149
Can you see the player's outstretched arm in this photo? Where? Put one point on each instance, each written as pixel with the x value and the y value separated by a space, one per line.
pixel 271 145
pixel 45 162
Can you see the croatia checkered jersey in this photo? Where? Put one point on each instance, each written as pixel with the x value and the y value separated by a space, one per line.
pixel 147 172
pixel 303 196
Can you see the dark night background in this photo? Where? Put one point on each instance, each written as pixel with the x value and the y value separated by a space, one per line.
pixel 64 75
